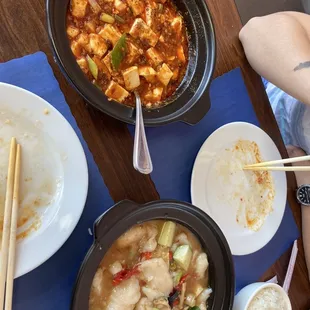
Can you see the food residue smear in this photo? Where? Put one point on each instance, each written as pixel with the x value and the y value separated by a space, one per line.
pixel 41 178
pixel 252 191
pixel 268 298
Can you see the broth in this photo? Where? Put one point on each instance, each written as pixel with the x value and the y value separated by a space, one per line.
pixel 154 265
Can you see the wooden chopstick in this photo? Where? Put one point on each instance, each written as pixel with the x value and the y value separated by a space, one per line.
pixel 7 220
pixel 274 168
pixel 281 161
pixel 13 233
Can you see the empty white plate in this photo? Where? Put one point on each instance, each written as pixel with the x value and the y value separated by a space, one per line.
pixel 221 196
pixel 54 179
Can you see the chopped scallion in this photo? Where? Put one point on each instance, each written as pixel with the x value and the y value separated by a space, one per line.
pixel 119 19
pixel 167 234
pixel 107 18
pixel 97 85
pixel 93 68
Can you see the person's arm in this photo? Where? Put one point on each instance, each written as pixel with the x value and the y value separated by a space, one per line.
pixel 303 178
pixel 278 47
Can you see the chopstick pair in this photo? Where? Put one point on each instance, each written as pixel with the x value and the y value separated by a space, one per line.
pixel 7 262
pixel 269 165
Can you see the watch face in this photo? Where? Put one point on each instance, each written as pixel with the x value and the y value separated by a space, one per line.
pixel 303 194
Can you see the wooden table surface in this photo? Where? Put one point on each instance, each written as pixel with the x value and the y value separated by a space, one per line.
pixel 23 31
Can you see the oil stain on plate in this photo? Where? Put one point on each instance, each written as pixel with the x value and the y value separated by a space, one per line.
pixel 42 172
pixel 250 192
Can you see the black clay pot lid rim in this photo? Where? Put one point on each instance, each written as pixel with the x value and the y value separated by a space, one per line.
pixel 161 204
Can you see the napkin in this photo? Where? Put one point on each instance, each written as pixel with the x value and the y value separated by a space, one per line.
pixel 50 285
pixel 174 148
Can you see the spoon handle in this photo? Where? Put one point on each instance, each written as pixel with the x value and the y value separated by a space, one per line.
pixel 141 155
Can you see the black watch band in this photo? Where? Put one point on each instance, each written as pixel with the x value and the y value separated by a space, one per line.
pixel 303 194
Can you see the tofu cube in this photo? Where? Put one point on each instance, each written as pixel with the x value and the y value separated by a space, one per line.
pixel 154 56
pixel 97 45
pixel 120 5
pixel 149 15
pixel 154 95
pixel 176 25
pixel 83 39
pixel 137 6
pixel 90 26
pixel 72 31
pixel 116 92
pixel 108 63
pixel 110 33
pixel 132 52
pixel 141 30
pixel 161 39
pixel 76 49
pixel 131 78
pixel 164 74
pixel 82 62
pixel 181 54
pixel 148 73
pixel 78 8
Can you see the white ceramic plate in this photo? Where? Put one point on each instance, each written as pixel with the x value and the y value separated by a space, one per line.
pixel 208 193
pixel 54 174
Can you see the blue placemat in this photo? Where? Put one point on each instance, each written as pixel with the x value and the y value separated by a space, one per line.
pixel 50 285
pixel 174 148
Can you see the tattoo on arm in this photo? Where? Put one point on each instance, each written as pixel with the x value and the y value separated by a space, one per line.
pixel 303 65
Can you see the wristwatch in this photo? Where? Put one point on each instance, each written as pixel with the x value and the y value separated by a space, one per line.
pixel 303 194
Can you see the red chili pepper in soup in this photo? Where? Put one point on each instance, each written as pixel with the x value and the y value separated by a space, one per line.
pixel 124 274
pixel 146 255
pixel 182 280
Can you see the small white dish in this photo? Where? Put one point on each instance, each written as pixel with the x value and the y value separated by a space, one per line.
pixel 244 298
pixel 209 194
pixel 54 173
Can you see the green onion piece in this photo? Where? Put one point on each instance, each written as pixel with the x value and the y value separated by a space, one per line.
pixel 167 234
pixel 95 6
pixel 160 7
pixel 107 18
pixel 119 19
pixel 119 51
pixel 194 308
pixel 177 278
pixel 97 85
pixel 92 67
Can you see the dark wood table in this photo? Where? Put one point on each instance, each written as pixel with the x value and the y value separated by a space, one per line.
pixel 23 31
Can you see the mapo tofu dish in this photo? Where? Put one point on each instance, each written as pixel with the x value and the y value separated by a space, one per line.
pixel 158 265
pixel 129 45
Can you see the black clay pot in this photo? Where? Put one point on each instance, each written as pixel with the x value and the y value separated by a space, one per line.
pixel 191 101
pixel 126 214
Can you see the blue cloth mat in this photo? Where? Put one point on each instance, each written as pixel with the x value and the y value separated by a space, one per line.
pixel 50 285
pixel 174 148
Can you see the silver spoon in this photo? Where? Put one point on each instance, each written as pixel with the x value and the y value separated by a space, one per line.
pixel 142 161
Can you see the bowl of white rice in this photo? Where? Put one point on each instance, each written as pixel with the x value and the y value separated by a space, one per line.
pixel 258 296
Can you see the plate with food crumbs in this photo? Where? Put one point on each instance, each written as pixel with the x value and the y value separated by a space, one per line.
pixel 247 205
pixel 54 176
